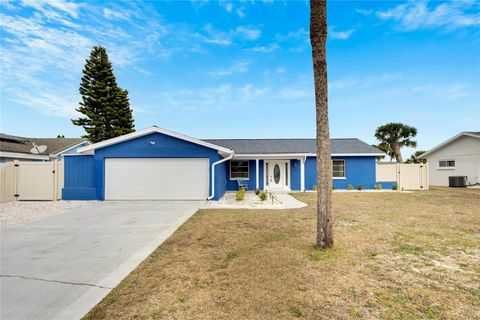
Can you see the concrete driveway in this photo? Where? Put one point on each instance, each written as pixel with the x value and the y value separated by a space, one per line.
pixel 60 266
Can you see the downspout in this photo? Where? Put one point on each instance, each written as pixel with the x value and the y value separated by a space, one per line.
pixel 213 174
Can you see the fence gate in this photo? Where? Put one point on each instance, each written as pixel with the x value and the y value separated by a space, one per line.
pixel 412 176
pixel 407 176
pixel 31 180
pixel 35 181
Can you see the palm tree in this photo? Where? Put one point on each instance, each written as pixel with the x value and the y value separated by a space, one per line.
pixel 385 148
pixel 396 135
pixel 318 39
pixel 414 157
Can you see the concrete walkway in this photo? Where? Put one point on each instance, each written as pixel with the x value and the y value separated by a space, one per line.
pixel 61 266
pixel 281 200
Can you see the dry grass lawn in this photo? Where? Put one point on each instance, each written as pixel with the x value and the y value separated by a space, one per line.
pixel 396 256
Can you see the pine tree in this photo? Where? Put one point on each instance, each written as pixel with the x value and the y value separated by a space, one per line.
pixel 105 105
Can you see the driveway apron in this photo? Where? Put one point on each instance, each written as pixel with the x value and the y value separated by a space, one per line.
pixel 61 266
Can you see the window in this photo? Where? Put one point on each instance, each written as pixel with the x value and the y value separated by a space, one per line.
pixel 338 168
pixel 446 164
pixel 239 169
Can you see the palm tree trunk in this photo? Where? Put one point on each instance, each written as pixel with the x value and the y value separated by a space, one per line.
pixel 318 39
pixel 398 153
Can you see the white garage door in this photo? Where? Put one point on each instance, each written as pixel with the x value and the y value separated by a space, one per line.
pixel 156 179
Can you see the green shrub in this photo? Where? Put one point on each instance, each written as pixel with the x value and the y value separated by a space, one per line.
pixel 359 187
pixel 263 196
pixel 257 191
pixel 395 187
pixel 333 187
pixel 349 186
pixel 240 195
pixel 314 187
pixel 378 186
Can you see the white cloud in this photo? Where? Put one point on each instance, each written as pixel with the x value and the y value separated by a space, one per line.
pixel 226 38
pixel 43 62
pixel 341 35
pixel 419 15
pixel 53 8
pixel 365 12
pixel 265 49
pixel 240 12
pixel 239 67
pixel 228 96
pixel 249 33
pixel 298 39
pixel 228 6
pixel 280 70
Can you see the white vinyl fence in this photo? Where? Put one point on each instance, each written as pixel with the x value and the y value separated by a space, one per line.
pixel 32 180
pixel 407 176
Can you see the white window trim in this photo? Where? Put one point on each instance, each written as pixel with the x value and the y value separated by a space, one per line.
pixel 248 170
pixel 446 168
pixel 344 170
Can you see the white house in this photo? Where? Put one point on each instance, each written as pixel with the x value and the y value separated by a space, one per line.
pixel 458 156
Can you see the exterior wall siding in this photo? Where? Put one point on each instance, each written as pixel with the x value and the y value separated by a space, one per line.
pixel 295 177
pixel 79 181
pixel 155 145
pixel 358 170
pixel 465 151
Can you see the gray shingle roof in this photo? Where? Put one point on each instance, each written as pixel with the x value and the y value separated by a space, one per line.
pixel 270 146
pixel 9 143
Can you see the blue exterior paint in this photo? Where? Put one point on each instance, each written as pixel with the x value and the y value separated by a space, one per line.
pixel 387 185
pixel 163 147
pixel 79 182
pixel 85 175
pixel 358 170
pixel 232 184
pixel 295 178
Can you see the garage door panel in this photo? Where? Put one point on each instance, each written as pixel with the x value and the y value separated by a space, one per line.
pixel 156 179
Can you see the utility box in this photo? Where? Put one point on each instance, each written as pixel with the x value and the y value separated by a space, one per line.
pixel 457 181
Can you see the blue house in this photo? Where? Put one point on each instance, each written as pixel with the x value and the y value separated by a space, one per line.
pixel 158 164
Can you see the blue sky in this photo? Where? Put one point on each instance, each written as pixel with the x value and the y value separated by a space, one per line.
pixel 243 68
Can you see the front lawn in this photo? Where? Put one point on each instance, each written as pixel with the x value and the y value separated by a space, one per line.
pixel 396 256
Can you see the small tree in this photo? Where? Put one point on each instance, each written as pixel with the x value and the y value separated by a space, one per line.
pixel 105 105
pixel 414 157
pixel 396 136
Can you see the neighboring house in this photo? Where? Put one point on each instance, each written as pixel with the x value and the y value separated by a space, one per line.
pixel 19 148
pixel 458 156
pixel 159 164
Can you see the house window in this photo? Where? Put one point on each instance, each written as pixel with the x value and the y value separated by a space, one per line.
pixel 239 169
pixel 338 168
pixel 446 164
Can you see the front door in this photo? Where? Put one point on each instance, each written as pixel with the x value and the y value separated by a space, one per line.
pixel 277 175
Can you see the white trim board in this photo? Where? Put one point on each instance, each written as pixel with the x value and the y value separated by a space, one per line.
pixel 148 131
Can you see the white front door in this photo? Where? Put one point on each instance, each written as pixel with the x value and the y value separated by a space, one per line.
pixel 277 175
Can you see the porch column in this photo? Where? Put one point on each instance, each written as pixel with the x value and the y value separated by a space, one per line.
pixel 302 174
pixel 257 183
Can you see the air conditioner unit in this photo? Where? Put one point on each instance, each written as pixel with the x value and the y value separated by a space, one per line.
pixel 457 181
